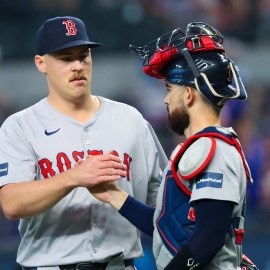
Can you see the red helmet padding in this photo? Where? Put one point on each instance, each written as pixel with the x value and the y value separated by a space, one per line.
pixel 168 53
pixel 207 44
pixel 159 60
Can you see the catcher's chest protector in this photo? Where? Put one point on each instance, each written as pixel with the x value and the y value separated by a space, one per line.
pixel 174 218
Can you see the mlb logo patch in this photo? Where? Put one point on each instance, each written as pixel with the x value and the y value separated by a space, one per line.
pixel 3 169
pixel 209 179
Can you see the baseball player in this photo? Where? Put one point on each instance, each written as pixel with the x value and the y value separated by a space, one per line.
pixel 62 226
pixel 199 218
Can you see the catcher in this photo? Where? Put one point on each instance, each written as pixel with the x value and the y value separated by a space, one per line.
pixel 199 218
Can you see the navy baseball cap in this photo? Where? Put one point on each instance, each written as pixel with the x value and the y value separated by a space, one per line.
pixel 60 33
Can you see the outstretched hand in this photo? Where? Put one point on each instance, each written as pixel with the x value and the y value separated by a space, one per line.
pixel 104 192
pixel 98 169
pixel 108 191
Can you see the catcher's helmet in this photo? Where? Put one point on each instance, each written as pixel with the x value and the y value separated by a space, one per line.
pixel 195 59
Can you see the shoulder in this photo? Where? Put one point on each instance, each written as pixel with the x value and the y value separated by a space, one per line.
pixel 117 105
pixel 122 111
pixel 227 154
pixel 15 121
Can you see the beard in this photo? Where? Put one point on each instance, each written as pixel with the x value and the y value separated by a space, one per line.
pixel 179 120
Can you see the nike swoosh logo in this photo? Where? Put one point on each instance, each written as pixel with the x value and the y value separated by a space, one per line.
pixel 48 133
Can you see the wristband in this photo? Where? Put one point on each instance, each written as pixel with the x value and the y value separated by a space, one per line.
pixel 183 260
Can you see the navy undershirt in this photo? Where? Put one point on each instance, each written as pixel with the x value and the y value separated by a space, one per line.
pixel 139 214
pixel 213 220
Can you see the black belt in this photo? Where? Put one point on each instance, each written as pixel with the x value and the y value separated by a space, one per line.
pixel 85 266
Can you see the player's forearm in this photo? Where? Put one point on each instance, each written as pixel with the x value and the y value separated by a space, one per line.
pixel 139 214
pixel 27 199
pixel 22 200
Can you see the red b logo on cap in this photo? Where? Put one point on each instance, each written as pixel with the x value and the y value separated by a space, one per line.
pixel 71 28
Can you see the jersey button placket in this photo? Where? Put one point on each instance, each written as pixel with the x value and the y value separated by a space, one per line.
pixel 86 138
pixel 87 141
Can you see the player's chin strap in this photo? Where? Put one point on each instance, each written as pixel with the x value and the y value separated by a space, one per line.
pixel 204 86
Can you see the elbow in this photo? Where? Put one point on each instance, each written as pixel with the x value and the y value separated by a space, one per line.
pixel 221 243
pixel 9 213
pixel 216 247
pixel 9 207
pixel 10 217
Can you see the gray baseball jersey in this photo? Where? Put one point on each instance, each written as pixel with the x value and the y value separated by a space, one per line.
pixel 40 142
pixel 224 178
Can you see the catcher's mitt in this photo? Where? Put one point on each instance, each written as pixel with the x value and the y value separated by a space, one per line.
pixel 247 264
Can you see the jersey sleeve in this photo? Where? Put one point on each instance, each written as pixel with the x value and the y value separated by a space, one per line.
pixel 221 179
pixel 156 163
pixel 17 162
pixel 139 214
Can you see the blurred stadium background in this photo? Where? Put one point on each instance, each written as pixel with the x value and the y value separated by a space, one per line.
pixel 117 74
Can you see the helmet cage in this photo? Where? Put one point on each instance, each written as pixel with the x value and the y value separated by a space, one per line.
pixel 163 44
pixel 157 53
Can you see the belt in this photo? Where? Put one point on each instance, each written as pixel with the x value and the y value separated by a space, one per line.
pixel 85 266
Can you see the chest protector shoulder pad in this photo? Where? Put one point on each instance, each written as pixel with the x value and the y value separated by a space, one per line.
pixel 198 150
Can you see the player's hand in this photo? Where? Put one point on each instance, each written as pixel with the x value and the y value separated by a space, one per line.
pixel 98 169
pixel 109 193
pixel 104 192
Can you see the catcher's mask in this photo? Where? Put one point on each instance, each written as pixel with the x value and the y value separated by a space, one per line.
pixel 195 58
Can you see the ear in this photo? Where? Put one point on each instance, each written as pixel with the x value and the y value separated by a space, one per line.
pixel 40 63
pixel 189 96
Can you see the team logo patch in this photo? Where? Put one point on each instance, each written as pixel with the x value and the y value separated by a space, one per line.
pixel 202 64
pixel 71 27
pixel 209 179
pixel 3 169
